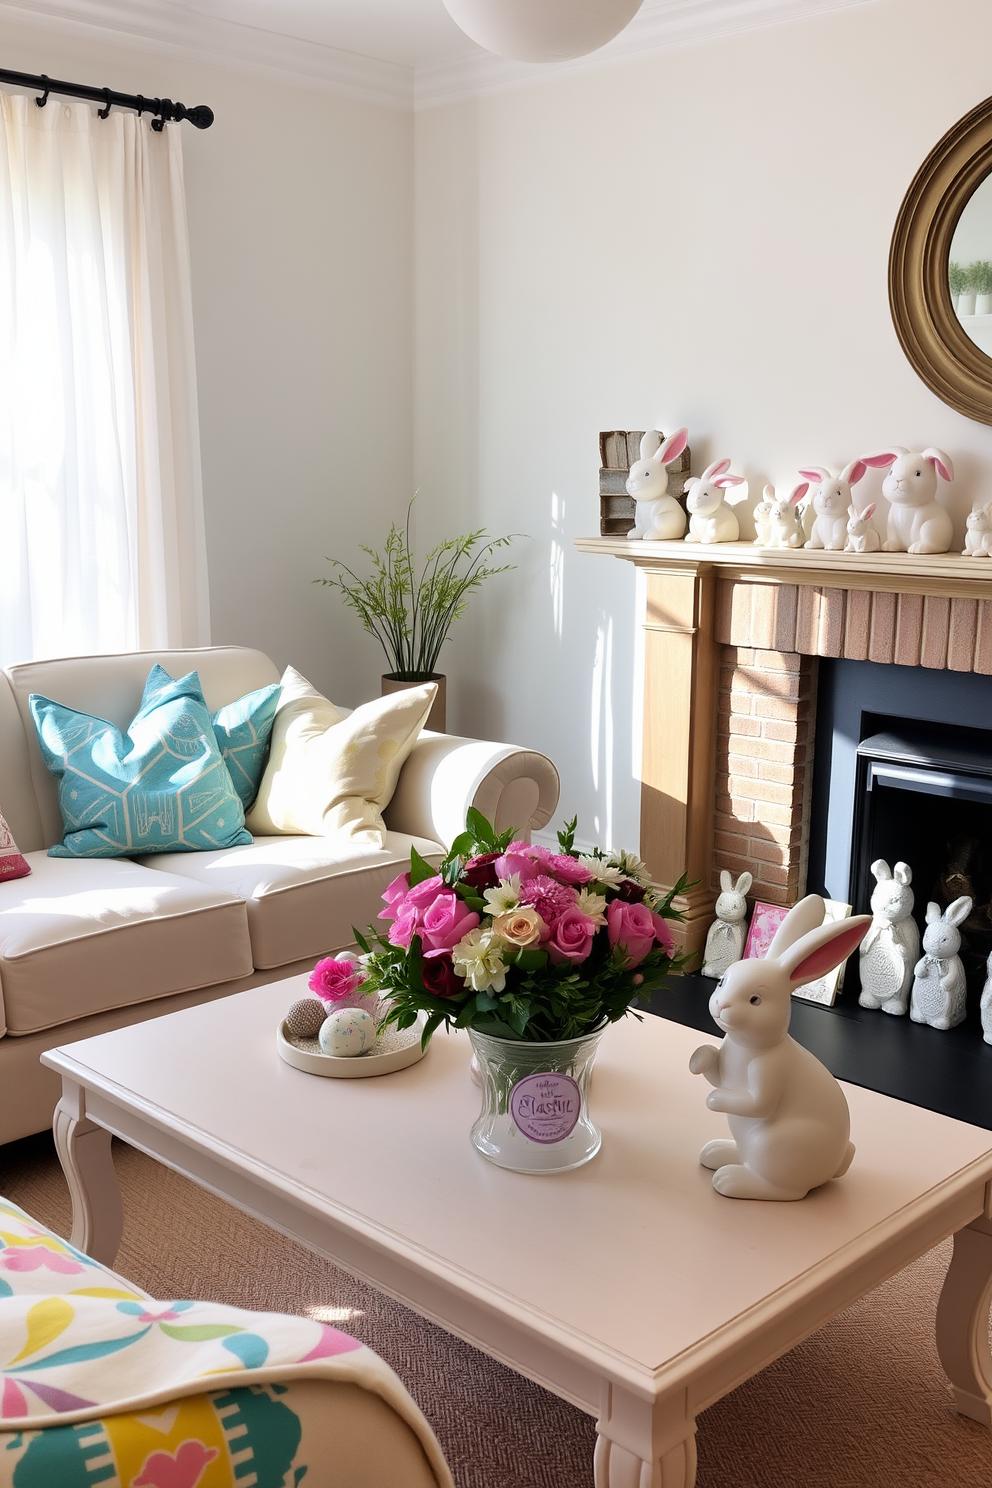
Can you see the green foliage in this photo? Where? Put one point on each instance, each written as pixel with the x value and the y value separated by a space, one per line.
pixel 981 276
pixel 957 278
pixel 411 616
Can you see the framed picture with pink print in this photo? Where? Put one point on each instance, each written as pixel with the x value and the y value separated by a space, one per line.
pixel 765 921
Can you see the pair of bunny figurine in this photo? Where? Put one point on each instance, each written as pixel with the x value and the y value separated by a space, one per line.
pixel 894 976
pixel 837 524
pixel 916 522
pixel 658 517
pixel 788 1117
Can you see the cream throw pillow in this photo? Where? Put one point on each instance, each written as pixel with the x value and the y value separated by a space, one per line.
pixel 330 773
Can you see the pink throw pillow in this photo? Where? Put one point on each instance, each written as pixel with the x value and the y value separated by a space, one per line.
pixel 12 863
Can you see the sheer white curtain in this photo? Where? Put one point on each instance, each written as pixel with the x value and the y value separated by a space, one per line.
pixel 101 505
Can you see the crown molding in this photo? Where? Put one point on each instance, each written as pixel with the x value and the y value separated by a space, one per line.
pixel 657 28
pixel 208 40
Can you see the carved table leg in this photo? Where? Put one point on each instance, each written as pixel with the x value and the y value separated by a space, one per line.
pixel 644 1446
pixel 84 1151
pixel 963 1321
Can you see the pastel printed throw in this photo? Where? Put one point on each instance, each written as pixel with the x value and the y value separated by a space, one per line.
pixel 518 942
pixel 164 787
pixel 12 863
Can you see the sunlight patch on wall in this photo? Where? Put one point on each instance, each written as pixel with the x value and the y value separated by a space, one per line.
pixel 556 572
pixel 601 730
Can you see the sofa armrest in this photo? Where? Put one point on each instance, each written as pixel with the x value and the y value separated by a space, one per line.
pixel 444 775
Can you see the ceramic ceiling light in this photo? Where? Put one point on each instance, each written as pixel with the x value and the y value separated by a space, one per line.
pixel 542 30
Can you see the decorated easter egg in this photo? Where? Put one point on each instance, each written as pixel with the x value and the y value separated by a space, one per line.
pixel 305 1017
pixel 347 1032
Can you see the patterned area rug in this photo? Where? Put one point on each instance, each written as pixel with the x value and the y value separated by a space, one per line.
pixel 863 1401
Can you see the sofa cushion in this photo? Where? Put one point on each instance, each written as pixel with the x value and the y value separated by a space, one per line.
pixel 82 936
pixel 334 773
pixel 162 787
pixel 304 894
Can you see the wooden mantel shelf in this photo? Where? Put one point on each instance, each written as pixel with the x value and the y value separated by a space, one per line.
pixel 952 575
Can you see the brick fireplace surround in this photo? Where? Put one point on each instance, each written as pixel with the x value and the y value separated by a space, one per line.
pixel 733 635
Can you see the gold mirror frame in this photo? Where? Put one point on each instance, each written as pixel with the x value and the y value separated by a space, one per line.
pixel 929 331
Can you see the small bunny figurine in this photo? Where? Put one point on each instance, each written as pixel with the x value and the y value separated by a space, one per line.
pixel 861 535
pixel 917 521
pixel 831 502
pixel 987 1002
pixel 788 1116
pixel 725 937
pixel 657 516
pixel 978 538
pixel 785 528
pixel 763 517
pixel 939 992
pixel 710 518
pixel 891 949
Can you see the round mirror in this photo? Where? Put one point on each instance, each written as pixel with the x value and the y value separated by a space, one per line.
pixel 940 267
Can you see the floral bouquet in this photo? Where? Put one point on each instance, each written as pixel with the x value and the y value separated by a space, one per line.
pixel 517 942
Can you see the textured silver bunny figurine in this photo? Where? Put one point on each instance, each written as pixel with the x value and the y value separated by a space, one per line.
pixel 939 991
pixel 891 949
pixel 725 937
pixel 788 1116
pixel 987 1002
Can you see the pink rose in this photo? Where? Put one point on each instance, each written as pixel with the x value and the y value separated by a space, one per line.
pixel 571 937
pixel 445 923
pixel 520 859
pixel 333 980
pixel 393 894
pixel 567 868
pixel 663 932
pixel 424 893
pixel 631 927
pixel 405 926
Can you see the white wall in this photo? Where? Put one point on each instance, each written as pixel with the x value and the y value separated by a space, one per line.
pixel 698 239
pixel 300 217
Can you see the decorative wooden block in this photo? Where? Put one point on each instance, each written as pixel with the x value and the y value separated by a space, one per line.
pixel 618 450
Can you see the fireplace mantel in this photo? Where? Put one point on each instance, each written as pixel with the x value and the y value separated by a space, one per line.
pixel 761 616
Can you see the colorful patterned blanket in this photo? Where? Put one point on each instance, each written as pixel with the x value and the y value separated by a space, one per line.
pixel 78 1345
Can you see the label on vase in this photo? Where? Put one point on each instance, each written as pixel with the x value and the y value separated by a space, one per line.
pixel 546 1107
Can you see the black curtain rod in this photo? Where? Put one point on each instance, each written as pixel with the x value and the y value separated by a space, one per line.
pixel 164 109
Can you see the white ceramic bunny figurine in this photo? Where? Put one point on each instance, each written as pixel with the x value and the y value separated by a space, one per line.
pixel 917 521
pixel 710 518
pixel 725 937
pixel 987 1002
pixel 788 1116
pixel 978 538
pixel 939 991
pixel 831 502
pixel 763 517
pixel 657 516
pixel 861 535
pixel 891 949
pixel 785 529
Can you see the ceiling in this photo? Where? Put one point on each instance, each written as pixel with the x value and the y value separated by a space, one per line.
pixel 402 53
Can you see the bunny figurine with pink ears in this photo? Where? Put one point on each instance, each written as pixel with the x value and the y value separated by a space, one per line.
pixel 788 1116
pixel 706 498
pixel 917 521
pixel 831 502
pixel 657 516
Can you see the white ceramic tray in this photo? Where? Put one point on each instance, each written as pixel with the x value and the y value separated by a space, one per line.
pixel 357 1066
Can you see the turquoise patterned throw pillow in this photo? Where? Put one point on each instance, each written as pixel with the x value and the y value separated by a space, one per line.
pixel 164 787
pixel 242 728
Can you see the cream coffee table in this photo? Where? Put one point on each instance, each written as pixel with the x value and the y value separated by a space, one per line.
pixel 628 1286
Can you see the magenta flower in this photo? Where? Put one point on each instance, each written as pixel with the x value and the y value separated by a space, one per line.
pixel 571 937
pixel 393 894
pixel 549 897
pixel 333 981
pixel 423 894
pixel 631 927
pixel 445 923
pixel 663 933
pixel 405 926
pixel 520 859
pixel 568 869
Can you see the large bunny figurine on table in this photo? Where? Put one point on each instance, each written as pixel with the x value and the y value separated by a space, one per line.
pixel 939 991
pixel 891 949
pixel 725 937
pixel 831 502
pixel 788 1116
pixel 657 516
pixel 710 518
pixel 917 521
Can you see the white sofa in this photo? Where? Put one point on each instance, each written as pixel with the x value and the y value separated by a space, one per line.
pixel 87 945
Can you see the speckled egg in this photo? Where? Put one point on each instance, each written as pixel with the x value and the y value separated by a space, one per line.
pixel 305 1017
pixel 347 1032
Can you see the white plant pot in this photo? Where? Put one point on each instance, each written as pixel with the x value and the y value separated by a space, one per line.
pixel 983 304
pixel 966 303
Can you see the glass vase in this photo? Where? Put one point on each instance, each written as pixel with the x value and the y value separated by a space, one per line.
pixel 535 1103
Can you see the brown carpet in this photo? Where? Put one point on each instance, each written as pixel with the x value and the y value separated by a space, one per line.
pixel 861 1404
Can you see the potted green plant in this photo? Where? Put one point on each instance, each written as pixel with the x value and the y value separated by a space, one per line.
pixel 981 277
pixel 957 283
pixel 411 615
